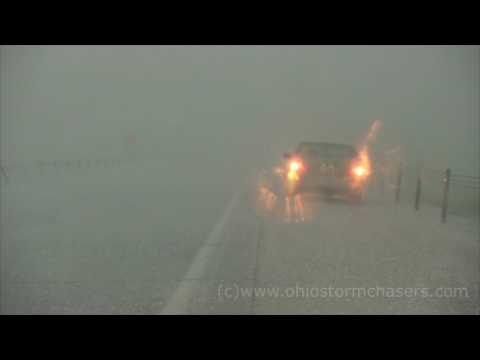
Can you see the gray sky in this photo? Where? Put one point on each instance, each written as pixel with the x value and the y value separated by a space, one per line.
pixel 238 104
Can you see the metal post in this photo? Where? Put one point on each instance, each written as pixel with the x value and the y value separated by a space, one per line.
pixel 446 185
pixel 399 184
pixel 3 174
pixel 418 189
pixel 418 192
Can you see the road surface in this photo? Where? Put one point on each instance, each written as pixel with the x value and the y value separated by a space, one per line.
pixel 129 245
pixel 313 256
pixel 112 240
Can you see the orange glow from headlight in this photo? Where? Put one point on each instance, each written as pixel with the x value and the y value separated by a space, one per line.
pixel 362 167
pixel 365 161
pixel 359 171
pixel 295 166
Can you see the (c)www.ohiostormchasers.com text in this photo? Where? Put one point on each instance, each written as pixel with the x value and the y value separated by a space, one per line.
pixel 235 292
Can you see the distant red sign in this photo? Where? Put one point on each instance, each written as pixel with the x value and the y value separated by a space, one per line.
pixel 131 139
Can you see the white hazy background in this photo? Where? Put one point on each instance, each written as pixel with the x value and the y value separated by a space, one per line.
pixel 91 238
pixel 231 104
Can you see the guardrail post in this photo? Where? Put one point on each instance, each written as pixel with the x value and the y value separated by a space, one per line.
pixel 446 185
pixel 418 191
pixel 398 185
pixel 3 173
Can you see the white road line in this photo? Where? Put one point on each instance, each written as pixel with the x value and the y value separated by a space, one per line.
pixel 178 303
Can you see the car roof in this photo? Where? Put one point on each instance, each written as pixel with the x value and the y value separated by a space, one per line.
pixel 332 149
pixel 322 143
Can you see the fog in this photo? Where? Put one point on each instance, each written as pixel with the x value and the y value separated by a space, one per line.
pixel 202 119
pixel 228 103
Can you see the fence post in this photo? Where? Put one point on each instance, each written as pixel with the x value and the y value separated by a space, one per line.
pixel 418 188
pixel 3 173
pixel 418 191
pixel 399 184
pixel 446 185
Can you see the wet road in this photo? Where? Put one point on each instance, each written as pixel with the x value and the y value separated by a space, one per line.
pixel 128 245
pixel 104 240
pixel 311 256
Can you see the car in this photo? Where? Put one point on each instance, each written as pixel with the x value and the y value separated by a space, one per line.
pixel 328 168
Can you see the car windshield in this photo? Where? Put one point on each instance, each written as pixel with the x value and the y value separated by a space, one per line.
pixel 239 179
pixel 327 151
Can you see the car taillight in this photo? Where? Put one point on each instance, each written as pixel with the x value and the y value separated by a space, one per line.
pixel 359 171
pixel 295 165
pixel 294 168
